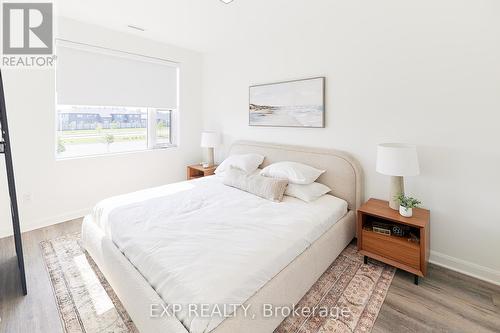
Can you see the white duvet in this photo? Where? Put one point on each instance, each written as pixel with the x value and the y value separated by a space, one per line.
pixel 201 242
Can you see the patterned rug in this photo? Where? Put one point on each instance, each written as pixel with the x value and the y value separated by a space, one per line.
pixel 352 292
pixel 85 299
pixel 346 298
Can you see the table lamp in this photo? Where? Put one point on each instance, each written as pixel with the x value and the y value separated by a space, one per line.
pixel 209 140
pixel 397 160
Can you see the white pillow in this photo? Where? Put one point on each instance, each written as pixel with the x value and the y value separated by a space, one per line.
pixel 246 162
pixel 296 173
pixel 307 193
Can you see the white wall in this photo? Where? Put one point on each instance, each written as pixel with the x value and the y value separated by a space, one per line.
pixel 66 189
pixel 423 72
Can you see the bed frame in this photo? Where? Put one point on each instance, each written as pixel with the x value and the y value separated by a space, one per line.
pixel 343 176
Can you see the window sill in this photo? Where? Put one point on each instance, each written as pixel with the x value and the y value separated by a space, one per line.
pixel 156 149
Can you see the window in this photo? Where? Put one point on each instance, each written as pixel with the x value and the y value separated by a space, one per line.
pixel 111 101
pixel 94 130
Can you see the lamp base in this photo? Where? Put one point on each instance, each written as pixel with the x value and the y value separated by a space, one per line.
pixel 397 188
pixel 210 157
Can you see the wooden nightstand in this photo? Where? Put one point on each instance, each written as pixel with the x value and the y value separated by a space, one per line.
pixel 403 252
pixel 197 171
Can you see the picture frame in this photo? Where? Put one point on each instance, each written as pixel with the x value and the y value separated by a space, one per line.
pixel 295 103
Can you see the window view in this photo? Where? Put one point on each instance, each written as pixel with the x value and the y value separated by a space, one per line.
pixel 94 130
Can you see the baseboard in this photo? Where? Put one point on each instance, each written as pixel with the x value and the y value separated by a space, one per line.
pixel 37 224
pixel 465 267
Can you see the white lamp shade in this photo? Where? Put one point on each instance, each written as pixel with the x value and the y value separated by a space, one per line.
pixel 397 159
pixel 209 139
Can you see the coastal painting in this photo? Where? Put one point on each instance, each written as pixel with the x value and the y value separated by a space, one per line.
pixel 298 103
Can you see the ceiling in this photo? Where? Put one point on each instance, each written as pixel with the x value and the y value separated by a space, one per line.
pixel 202 25
pixel 250 25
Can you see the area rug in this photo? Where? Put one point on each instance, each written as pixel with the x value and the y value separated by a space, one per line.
pixel 346 298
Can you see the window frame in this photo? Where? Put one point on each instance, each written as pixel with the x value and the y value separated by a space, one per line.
pixel 151 137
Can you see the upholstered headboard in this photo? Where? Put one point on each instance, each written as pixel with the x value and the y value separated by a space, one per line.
pixel 343 173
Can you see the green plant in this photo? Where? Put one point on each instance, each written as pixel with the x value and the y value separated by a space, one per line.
pixel 110 138
pixel 115 124
pixel 407 202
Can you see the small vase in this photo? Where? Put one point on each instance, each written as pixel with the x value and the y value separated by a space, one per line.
pixel 406 212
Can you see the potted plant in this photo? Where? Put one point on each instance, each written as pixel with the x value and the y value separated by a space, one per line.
pixel 406 205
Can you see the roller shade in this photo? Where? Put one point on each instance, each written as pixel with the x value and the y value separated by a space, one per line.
pixel 87 75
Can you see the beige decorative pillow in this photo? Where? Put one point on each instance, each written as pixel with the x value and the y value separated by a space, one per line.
pixel 265 187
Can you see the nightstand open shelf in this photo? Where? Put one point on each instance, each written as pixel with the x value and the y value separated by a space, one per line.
pixel 198 171
pixel 409 251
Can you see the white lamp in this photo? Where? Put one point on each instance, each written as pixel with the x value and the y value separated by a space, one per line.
pixel 210 140
pixel 397 160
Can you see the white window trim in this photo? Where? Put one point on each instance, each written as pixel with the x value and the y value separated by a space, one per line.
pixel 152 144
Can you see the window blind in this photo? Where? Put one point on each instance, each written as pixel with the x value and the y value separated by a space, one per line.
pixel 87 75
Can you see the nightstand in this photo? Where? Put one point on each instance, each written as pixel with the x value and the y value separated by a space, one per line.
pixel 406 242
pixel 198 171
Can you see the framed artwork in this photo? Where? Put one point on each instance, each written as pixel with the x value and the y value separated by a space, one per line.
pixel 299 103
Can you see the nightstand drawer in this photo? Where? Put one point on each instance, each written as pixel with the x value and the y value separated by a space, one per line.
pixel 392 247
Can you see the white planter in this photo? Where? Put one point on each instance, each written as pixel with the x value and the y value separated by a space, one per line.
pixel 406 212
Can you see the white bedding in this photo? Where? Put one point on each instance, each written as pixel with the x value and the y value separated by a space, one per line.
pixel 201 242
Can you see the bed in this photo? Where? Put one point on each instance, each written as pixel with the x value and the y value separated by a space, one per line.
pixel 277 251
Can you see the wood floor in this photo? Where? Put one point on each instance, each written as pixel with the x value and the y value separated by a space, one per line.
pixel 445 301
